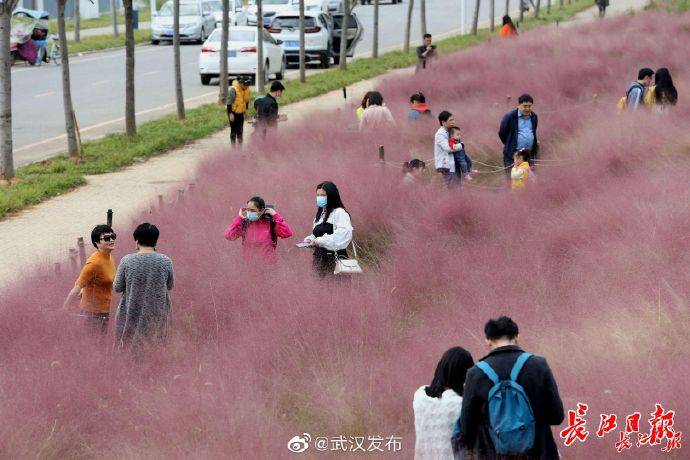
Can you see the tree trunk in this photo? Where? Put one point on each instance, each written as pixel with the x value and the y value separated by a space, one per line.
pixel 560 3
pixel 70 129
pixel 302 57
pixel 522 10
pixel 224 35
pixel 113 7
pixel 260 70
pixel 408 26
pixel 537 8
pixel 130 114
pixel 343 34
pixel 77 20
pixel 492 15
pixel 179 98
pixel 475 19
pixel 507 13
pixel 422 16
pixel 375 46
pixel 7 161
pixel 548 6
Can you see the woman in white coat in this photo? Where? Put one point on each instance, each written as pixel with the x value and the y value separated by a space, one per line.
pixel 331 229
pixel 437 406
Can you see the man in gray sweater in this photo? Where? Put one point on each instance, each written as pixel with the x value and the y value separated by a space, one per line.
pixel 144 279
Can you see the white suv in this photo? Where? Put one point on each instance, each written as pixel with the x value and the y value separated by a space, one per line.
pixel 318 36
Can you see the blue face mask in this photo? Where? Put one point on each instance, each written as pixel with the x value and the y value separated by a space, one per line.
pixel 321 201
pixel 252 216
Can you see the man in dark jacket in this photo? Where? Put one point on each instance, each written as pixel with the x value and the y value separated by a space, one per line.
pixel 266 108
pixel 535 378
pixel 518 130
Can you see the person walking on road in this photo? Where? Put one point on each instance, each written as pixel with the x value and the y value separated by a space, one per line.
pixel 266 109
pixel 237 104
pixel 483 411
pixel 426 52
pixel 602 4
pixel 518 130
pixel 95 282
pixel 144 279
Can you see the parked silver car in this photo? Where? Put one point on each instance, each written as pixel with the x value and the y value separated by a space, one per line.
pixel 196 22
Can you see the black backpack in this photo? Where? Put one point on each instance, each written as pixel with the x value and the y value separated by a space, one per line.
pixel 274 235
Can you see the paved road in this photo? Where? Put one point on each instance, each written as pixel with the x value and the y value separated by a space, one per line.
pixel 98 81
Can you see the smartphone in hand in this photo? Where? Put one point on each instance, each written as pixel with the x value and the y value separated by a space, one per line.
pixel 303 245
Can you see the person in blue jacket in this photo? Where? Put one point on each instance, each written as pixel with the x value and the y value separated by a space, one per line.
pixel 518 130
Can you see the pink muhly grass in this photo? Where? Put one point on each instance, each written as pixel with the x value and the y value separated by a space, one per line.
pixel 590 260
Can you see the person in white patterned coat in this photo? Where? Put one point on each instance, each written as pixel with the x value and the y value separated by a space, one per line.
pixel 437 406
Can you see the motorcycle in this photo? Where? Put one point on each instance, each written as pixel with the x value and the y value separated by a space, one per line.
pixel 28 36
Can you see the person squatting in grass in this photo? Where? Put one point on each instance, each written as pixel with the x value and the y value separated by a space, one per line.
pixel 259 227
pixel 518 130
pixel 636 91
pixel 532 374
pixel 411 169
pixel 95 282
pixel 144 279
pixel 520 172
pixel 239 95
pixel 444 159
pixel 463 160
pixel 437 406
pixel 331 229
pixel 508 29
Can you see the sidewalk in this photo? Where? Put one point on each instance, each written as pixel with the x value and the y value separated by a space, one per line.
pixel 105 30
pixel 137 187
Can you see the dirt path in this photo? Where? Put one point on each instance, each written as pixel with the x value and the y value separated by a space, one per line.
pixel 43 234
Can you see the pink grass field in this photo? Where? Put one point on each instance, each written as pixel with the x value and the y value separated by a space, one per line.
pixel 591 260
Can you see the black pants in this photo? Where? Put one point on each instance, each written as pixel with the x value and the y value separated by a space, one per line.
pixel 237 128
pixel 324 261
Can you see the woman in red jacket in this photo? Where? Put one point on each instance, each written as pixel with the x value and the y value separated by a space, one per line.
pixel 259 227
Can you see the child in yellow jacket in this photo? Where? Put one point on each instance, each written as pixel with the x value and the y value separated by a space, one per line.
pixel 521 170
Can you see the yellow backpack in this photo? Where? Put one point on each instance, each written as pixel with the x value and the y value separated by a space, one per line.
pixel 622 103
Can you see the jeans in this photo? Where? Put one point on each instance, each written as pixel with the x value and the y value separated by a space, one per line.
pixel 451 179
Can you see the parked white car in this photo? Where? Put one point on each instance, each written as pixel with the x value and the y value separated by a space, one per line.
pixel 237 14
pixel 313 6
pixel 270 8
pixel 196 22
pixel 242 54
pixel 335 5
pixel 318 34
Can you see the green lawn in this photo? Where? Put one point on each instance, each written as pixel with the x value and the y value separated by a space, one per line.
pixel 40 181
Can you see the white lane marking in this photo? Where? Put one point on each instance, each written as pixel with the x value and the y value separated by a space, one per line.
pixel 153 72
pixel 48 93
pixel 116 120
pixel 100 82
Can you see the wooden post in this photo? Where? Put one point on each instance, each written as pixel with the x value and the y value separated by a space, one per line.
pixel 192 186
pixel 382 155
pixel 180 195
pixel 57 268
pixel 509 101
pixel 82 250
pixel 73 254
pixel 344 92
pixel 160 201
pixel 109 217
pixel 548 6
